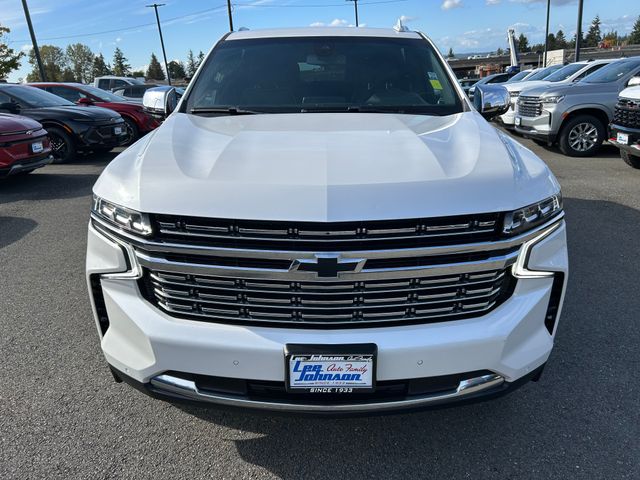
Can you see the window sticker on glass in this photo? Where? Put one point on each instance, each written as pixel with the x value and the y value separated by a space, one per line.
pixel 433 80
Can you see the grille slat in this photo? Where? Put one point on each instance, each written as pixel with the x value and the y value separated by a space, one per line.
pixel 627 113
pixel 529 106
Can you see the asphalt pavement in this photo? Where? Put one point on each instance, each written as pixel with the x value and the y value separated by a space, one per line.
pixel 62 416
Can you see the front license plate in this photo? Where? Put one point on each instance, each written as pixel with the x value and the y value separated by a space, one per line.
pixel 117 130
pixel 330 368
pixel 622 138
pixel 518 120
pixel 36 147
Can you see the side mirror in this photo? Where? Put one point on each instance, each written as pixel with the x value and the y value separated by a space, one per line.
pixel 491 100
pixel 10 107
pixel 160 101
pixel 634 82
pixel 86 101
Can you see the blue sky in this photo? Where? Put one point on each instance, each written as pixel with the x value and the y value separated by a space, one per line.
pixel 464 25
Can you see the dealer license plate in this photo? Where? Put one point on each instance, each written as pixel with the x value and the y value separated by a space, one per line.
pixel 518 121
pixel 622 138
pixel 36 147
pixel 117 130
pixel 330 368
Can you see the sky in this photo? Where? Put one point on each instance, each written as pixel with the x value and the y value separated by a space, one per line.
pixel 464 25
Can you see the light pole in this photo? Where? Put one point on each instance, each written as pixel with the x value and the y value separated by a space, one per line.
pixel 230 16
pixel 36 50
pixel 579 31
pixel 164 54
pixel 355 6
pixel 546 35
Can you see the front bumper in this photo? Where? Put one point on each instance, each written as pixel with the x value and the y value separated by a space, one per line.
pixel 27 164
pixel 146 345
pixel 633 144
pixel 543 127
pixel 101 135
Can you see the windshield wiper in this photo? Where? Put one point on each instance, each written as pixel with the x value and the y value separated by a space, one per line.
pixel 224 110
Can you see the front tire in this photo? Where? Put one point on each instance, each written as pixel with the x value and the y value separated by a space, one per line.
pixel 581 136
pixel 132 131
pixel 62 146
pixel 630 160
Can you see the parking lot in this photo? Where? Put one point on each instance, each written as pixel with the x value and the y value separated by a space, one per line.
pixel 64 417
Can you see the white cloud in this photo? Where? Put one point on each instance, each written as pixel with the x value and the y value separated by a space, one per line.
pixel 449 4
pixel 492 2
pixel 26 48
pixel 406 19
pixel 336 22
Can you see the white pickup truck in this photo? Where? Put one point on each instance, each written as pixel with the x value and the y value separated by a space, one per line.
pixel 324 223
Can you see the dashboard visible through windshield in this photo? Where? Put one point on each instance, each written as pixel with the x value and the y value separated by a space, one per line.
pixel 317 74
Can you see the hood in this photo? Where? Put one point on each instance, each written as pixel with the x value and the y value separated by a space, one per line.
pixel 325 167
pixel 16 123
pixel 72 112
pixel 632 93
pixel 520 86
pixel 122 106
pixel 579 88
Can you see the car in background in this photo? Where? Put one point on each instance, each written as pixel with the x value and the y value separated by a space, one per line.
pixel 467 83
pixel 71 128
pixel 521 76
pixel 133 93
pixel 137 122
pixel 490 79
pixel 625 127
pixel 24 145
pixel 109 82
pixel 575 115
pixel 554 74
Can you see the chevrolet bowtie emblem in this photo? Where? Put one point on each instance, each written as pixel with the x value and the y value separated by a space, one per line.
pixel 328 265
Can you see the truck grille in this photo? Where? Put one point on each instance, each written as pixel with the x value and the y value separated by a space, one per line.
pixel 627 113
pixel 529 106
pixel 330 236
pixel 330 304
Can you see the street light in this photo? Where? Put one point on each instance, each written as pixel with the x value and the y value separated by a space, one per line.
pixel 36 50
pixel 579 31
pixel 546 35
pixel 355 5
pixel 164 54
pixel 230 16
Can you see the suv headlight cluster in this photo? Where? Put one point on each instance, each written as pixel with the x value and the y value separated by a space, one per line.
pixel 552 99
pixel 122 217
pixel 527 218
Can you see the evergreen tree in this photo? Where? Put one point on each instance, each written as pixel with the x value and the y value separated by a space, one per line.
pixel 551 42
pixel 200 57
pixel 634 36
pixel 9 59
pixel 176 69
pixel 121 67
pixel 54 61
pixel 500 52
pixel 561 41
pixel 451 54
pixel 523 43
pixel 81 62
pixel 100 69
pixel 594 36
pixel 155 72
pixel 68 75
pixel 192 64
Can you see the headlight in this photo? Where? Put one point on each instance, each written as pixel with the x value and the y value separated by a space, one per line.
pixel 125 218
pixel 526 218
pixel 552 99
pixel 514 94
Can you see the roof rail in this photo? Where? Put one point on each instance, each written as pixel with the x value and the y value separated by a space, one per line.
pixel 399 27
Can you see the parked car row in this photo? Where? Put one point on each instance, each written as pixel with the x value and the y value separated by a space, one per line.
pixel 61 120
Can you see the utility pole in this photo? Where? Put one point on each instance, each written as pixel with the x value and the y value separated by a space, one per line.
pixel 164 54
pixel 546 35
pixel 230 15
pixel 579 31
pixel 355 5
pixel 36 50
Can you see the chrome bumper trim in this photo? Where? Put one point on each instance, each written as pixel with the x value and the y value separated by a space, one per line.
pixel 187 389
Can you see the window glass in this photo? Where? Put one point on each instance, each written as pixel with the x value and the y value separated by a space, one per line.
pixel 613 72
pixel 67 93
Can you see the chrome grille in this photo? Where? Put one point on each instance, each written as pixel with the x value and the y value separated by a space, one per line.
pixel 321 303
pixel 529 106
pixel 627 113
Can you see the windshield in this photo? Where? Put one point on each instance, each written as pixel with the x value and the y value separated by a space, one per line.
pixel 519 76
pixel 565 72
pixel 544 73
pixel 305 74
pixel 102 94
pixel 34 97
pixel 612 72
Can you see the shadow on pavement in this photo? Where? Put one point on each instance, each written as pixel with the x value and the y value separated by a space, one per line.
pixel 46 186
pixel 13 229
pixel 581 417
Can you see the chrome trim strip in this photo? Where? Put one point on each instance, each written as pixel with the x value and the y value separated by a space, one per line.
pixel 176 248
pixel 189 390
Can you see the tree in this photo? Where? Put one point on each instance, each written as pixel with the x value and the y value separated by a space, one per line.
pixel 523 43
pixel 9 59
pixel 68 76
pixel 155 72
pixel 561 41
pixel 594 36
pixel 500 52
pixel 200 57
pixel 451 54
pixel 176 69
pixel 81 62
pixel 551 42
pixel 192 64
pixel 120 66
pixel 100 69
pixel 634 36
pixel 54 61
pixel 137 73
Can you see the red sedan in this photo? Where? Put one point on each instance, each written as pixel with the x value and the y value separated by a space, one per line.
pixel 24 145
pixel 137 122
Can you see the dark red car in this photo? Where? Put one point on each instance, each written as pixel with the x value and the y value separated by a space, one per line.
pixel 24 145
pixel 137 122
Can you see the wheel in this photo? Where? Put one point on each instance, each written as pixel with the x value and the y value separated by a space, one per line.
pixel 581 136
pixel 630 160
pixel 62 146
pixel 132 132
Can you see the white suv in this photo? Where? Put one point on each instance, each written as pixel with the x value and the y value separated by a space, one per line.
pixel 324 223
